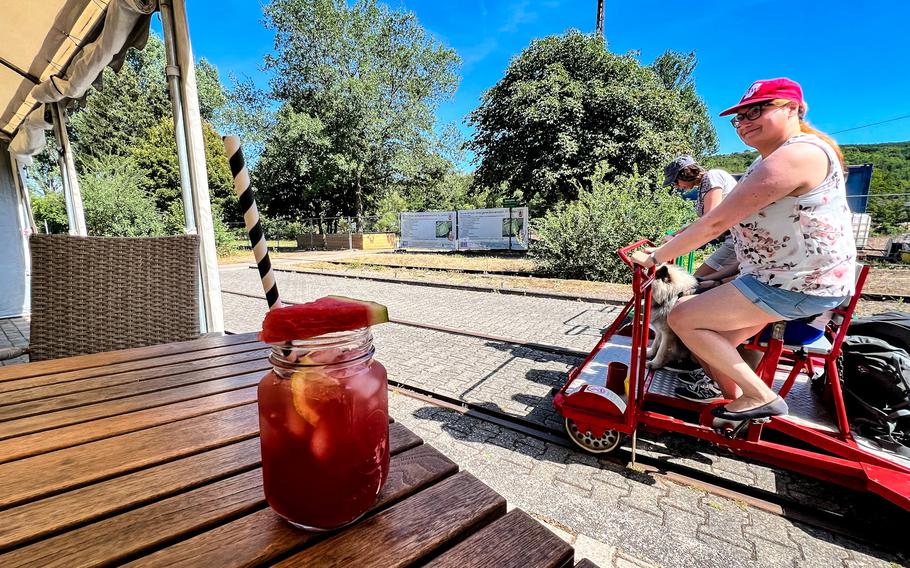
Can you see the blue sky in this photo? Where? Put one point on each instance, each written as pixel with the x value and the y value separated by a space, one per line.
pixel 850 57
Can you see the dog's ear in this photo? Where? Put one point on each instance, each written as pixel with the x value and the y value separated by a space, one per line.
pixel 663 273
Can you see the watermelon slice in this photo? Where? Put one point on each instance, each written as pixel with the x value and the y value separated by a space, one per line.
pixel 325 315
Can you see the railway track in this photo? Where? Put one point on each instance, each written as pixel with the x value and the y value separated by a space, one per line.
pixel 868 296
pixel 882 534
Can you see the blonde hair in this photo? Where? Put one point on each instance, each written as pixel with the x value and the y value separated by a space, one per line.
pixel 807 129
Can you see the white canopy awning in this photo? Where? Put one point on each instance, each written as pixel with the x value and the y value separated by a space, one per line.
pixel 56 53
pixel 38 41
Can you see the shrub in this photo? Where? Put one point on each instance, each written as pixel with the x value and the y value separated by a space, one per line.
pixel 115 203
pixel 579 239
pixel 50 208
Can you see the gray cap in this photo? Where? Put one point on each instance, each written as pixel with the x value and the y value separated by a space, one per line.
pixel 673 168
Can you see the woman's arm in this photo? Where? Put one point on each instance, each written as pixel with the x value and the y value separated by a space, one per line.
pixel 712 199
pixel 792 169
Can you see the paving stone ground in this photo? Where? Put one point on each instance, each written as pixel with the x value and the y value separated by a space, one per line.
pixel 613 515
pixel 14 332
pixel 570 324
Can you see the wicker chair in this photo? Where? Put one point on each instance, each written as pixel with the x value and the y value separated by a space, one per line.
pixel 92 294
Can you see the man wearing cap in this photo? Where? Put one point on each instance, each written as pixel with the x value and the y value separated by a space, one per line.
pixel 713 185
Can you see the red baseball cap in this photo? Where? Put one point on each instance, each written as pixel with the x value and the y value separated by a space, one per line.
pixel 768 90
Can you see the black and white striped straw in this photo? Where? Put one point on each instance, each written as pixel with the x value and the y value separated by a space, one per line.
pixel 244 191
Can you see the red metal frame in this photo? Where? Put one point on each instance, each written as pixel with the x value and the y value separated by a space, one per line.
pixel 836 456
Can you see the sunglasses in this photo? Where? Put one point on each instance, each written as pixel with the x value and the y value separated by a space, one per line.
pixel 752 113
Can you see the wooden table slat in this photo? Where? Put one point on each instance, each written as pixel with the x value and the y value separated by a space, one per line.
pixel 108 541
pixel 30 478
pixel 585 563
pixel 514 540
pixel 43 442
pixel 109 358
pixel 37 388
pixel 106 409
pixel 51 515
pixel 410 530
pixel 259 538
pixel 49 402
pixel 116 538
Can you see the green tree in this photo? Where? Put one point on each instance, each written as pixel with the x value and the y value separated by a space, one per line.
pixel 371 77
pixel 676 71
pixel 564 106
pixel 156 156
pixel 208 86
pixel 113 119
pixel 247 114
pixel 50 208
pixel 295 175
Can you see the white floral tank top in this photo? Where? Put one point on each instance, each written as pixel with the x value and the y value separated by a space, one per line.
pixel 804 243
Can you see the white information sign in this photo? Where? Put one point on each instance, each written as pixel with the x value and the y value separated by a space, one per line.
pixel 428 230
pixel 481 229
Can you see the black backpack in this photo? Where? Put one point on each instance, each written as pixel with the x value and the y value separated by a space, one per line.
pixel 893 327
pixel 876 378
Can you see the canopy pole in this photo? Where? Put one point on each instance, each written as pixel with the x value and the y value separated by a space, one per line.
pixel 22 193
pixel 177 42
pixel 27 223
pixel 172 72
pixel 75 214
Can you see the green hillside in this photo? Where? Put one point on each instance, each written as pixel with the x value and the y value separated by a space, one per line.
pixel 890 178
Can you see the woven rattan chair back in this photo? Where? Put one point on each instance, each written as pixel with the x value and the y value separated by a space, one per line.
pixel 93 294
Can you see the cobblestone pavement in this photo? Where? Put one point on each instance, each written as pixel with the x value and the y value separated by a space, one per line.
pixel 14 333
pixel 571 324
pixel 613 515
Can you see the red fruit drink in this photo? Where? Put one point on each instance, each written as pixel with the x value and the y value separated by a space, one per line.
pixel 324 429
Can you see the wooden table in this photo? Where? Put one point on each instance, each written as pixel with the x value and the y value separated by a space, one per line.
pixel 150 457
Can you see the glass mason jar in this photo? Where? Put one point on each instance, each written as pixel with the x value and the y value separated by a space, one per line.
pixel 324 429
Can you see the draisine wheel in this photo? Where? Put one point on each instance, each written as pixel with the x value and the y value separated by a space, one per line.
pixel 609 441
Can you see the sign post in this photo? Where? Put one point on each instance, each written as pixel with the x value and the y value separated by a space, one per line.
pixel 510 203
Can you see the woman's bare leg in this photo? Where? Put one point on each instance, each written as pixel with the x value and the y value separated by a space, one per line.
pixel 713 334
pixel 727 385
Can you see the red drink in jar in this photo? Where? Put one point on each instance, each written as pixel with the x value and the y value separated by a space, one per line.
pixel 324 429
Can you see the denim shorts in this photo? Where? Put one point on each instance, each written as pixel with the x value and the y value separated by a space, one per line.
pixel 782 303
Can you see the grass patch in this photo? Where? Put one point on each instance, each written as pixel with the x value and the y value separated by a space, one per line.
pixel 604 290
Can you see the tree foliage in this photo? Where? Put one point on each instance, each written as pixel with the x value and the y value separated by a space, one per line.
pixel 676 71
pixel 368 80
pixel 579 239
pixel 50 208
pixel 111 120
pixel 295 174
pixel 566 105
pixel 156 156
